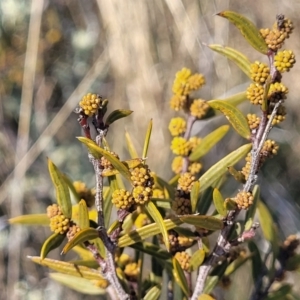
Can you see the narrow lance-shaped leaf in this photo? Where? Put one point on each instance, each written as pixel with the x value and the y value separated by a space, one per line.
pixel 195 195
pixel 220 168
pixel 234 116
pixel 267 225
pixel 117 114
pixel 219 202
pixel 132 151
pixel 236 264
pixel 145 232
pixel 153 293
pixel 62 189
pixel 257 263
pixel 238 176
pixel 197 259
pixel 180 277
pixel 68 268
pixel 248 30
pixel 207 222
pixel 80 237
pixel 147 140
pixel 70 184
pixel 240 59
pixel 280 293
pixel 34 219
pixel 81 285
pixel 235 99
pixel 97 152
pixel 51 243
pixel 208 142
pixel 155 214
pixel 152 250
pixel 83 219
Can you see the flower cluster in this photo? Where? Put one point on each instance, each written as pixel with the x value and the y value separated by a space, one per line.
pixel 143 184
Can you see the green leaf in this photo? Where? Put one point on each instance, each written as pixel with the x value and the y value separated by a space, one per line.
pixel 219 202
pixel 70 184
pixel 164 203
pixel 116 115
pixel 147 140
pixel 208 142
pixel 195 195
pixel 230 204
pixel 80 285
pixel 145 232
pixel 97 152
pixel 83 219
pixel 257 264
pixel 293 263
pixel 155 214
pixel 131 149
pixel 237 175
pixel 248 30
pixel 62 190
pixel 197 259
pixel 240 59
pixel 68 268
pixel 236 264
pixel 280 293
pixel 210 284
pixel 268 226
pixel 80 237
pixel 34 219
pixel 52 242
pixel 152 250
pixel 234 116
pixel 235 99
pixel 153 293
pixel 165 185
pixel 220 168
pixel 180 277
pixel 252 210
pixel 207 222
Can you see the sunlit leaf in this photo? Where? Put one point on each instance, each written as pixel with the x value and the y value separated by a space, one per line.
pixel 164 203
pixel 83 220
pixel 252 210
pixel 220 168
pixel 197 259
pixel 180 277
pixel 83 252
pixel 248 30
pixel 70 184
pixel 52 242
pixel 206 222
pixel 97 152
pixel 233 115
pixel 239 58
pixel 153 293
pixel 131 149
pixel 208 142
pixel 155 214
pixel 68 268
pixel 147 140
pixel 147 231
pixel 81 285
pixel 62 189
pixel 34 219
pixel 116 115
pixel 80 237
pixel 230 204
pixel 219 202
pixel 195 195
pixel 165 185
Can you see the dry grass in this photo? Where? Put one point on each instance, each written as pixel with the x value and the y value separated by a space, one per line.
pixel 52 53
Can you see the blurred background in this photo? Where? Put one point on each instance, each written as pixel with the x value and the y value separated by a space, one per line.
pixel 54 52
